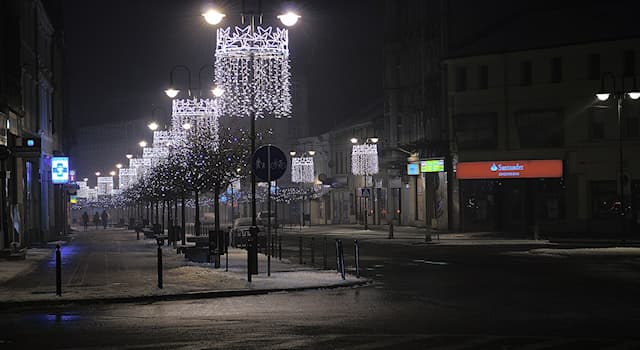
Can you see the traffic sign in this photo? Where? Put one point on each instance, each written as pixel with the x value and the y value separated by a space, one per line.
pixel 268 158
pixel 365 192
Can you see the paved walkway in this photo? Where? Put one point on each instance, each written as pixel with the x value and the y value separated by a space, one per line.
pixel 111 265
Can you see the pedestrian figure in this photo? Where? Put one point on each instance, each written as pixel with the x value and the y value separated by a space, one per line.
pixel 105 217
pixel 96 219
pixel 85 220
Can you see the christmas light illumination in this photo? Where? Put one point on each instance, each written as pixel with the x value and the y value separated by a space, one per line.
pixel 126 177
pixel 302 169
pixel 253 69
pixel 198 113
pixel 364 159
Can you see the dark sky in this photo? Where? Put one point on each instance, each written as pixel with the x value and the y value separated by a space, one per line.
pixel 119 54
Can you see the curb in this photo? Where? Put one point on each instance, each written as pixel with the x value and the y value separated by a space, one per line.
pixel 4 306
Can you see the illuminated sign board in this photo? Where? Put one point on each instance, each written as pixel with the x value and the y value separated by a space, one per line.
pixel 413 169
pixel 60 170
pixel 432 166
pixel 509 169
pixel 73 199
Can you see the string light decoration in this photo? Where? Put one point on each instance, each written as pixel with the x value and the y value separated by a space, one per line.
pixel 141 165
pixel 162 138
pixel 197 112
pixel 364 159
pixel 253 69
pixel 302 169
pixel 126 177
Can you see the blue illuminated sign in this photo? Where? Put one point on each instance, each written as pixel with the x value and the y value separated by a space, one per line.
pixel 60 170
pixel 413 169
pixel 31 142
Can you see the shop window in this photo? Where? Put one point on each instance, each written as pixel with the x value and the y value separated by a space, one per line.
pixel 551 204
pixel 476 131
pixel 604 199
pixel 539 129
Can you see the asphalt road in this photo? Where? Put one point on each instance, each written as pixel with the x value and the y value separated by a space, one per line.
pixel 423 297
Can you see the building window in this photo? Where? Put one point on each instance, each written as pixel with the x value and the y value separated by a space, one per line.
pixel 604 203
pixel 548 126
pixel 483 77
pixel 593 65
pixel 596 125
pixel 556 69
pixel 525 73
pixel 629 63
pixel 461 79
pixel 476 131
pixel 631 126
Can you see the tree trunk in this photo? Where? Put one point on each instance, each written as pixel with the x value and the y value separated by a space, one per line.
pixel 196 222
pixel 183 229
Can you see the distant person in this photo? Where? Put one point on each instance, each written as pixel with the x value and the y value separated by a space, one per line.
pixel 85 220
pixel 96 219
pixel 105 218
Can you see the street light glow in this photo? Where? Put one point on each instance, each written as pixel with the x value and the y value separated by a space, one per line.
pixel 374 139
pixel 129 156
pixel 85 179
pixel 142 143
pixel 292 153
pixel 171 92
pixel 217 91
pixel 97 173
pixel 213 17
pixel 153 126
pixel 186 126
pixel 119 166
pixel 634 95
pixel 354 140
pixel 312 152
pixel 289 18
pixel 603 96
pixel 112 173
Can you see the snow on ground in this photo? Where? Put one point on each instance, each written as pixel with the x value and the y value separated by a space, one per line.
pixel 13 268
pixel 583 252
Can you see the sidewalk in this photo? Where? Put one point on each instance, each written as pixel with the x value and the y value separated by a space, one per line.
pixel 112 266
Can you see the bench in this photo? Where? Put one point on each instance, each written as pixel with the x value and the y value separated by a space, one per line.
pixel 160 239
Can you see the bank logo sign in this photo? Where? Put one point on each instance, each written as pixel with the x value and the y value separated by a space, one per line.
pixel 510 169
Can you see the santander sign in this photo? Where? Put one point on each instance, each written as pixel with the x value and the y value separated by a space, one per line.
pixel 510 169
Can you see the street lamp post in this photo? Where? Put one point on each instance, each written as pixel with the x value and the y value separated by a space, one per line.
pixel 253 46
pixel 364 158
pixel 619 95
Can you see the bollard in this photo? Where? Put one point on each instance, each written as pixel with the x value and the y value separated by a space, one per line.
pixel 300 249
pixel 58 271
pixel 280 248
pixel 337 255
pixel 341 258
pixel 357 257
pixel 324 254
pixel 137 235
pixel 159 267
pixel 313 256
pixel 391 230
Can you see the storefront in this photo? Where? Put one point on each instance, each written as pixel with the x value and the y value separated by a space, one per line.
pixel 510 196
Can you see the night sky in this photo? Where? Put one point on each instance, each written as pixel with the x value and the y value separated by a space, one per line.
pixel 119 59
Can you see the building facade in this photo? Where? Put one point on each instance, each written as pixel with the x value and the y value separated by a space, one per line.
pixel 32 112
pixel 510 108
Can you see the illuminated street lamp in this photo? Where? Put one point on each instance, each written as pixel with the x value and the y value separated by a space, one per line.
pixel 129 156
pixel 217 91
pixel 603 95
pixel 213 16
pixel 119 166
pixel 97 173
pixel 112 173
pixel 142 143
pixel 86 179
pixel 266 54
pixel 153 126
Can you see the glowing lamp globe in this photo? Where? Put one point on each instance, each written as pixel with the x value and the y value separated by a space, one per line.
pixel 603 96
pixel 171 92
pixel 143 143
pixel 634 95
pixel 217 91
pixel 153 126
pixel 289 19
pixel 213 17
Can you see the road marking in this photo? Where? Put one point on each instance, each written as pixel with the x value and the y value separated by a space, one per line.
pixel 422 261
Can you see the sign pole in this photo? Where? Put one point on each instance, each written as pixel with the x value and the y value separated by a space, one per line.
pixel 269 211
